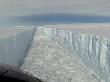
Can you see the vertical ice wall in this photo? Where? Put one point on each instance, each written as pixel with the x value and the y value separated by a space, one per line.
pixel 13 48
pixel 94 51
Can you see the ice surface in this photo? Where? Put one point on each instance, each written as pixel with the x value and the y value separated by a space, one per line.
pixel 13 44
pixel 51 63
pixel 93 49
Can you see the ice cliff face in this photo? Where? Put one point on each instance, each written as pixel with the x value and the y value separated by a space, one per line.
pixel 93 50
pixel 13 48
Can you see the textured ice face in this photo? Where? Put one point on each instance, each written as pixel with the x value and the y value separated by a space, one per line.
pixel 49 61
pixel 93 50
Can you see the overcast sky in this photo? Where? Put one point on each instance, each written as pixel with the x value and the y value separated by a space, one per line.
pixel 26 7
pixel 16 8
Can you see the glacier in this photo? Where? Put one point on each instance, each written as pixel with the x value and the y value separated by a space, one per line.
pixel 13 44
pixel 92 50
pixel 90 45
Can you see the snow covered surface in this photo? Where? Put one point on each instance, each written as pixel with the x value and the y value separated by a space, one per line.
pixel 49 62
pixel 13 44
pixel 59 53
pixel 94 29
pixel 87 43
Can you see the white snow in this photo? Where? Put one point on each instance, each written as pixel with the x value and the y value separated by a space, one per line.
pixel 51 63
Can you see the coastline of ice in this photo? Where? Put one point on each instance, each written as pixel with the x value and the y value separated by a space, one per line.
pixel 13 44
pixel 92 49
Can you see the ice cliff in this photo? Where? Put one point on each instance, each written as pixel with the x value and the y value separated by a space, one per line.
pixel 93 50
pixel 13 45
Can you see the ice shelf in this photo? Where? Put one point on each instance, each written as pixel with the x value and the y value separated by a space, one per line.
pixel 91 44
pixel 51 63
pixel 13 44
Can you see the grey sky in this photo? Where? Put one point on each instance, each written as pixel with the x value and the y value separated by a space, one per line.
pixel 29 7
pixel 12 10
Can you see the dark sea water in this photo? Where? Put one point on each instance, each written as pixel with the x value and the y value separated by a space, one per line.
pixel 55 19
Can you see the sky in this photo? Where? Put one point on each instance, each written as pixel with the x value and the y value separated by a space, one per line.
pixel 13 12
